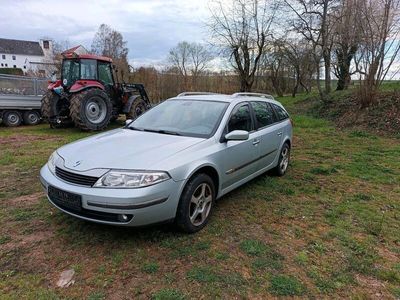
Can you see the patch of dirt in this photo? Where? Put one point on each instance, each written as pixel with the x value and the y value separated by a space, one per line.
pixel 26 200
pixel 27 241
pixel 388 255
pixel 375 288
pixel 23 139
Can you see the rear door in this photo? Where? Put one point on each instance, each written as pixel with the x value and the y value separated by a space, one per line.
pixel 240 157
pixel 268 132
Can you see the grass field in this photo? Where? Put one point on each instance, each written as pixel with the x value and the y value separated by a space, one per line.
pixel 329 228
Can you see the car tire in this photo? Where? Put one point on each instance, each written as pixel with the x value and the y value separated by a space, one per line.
pixel 283 162
pixel 31 117
pixel 12 118
pixel 196 204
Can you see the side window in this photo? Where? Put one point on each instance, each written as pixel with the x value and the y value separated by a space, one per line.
pixel 281 114
pixel 240 119
pixel 264 114
pixel 105 73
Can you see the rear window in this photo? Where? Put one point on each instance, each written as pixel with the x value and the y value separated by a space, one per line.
pixel 264 114
pixel 281 114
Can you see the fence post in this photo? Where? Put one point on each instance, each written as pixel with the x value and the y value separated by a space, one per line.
pixel 35 87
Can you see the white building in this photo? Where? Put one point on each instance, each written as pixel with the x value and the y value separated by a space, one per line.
pixel 35 57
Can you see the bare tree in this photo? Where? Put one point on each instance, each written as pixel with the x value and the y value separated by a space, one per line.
pixel 299 55
pixel 314 23
pixel 189 59
pixel 347 38
pixel 241 29
pixel 200 58
pixel 110 43
pixel 179 57
pixel 272 66
pixel 380 44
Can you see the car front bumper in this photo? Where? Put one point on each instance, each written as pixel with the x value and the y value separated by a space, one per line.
pixel 142 206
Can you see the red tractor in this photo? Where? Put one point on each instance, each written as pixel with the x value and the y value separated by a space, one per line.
pixel 88 96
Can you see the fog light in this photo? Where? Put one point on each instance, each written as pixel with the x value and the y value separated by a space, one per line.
pixel 123 218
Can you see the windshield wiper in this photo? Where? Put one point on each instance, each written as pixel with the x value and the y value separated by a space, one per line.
pixel 162 131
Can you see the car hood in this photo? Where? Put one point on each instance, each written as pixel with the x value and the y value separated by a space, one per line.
pixel 123 149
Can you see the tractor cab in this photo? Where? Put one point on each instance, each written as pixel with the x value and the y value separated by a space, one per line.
pixel 86 69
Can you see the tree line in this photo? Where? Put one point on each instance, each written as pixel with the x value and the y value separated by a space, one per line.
pixel 281 47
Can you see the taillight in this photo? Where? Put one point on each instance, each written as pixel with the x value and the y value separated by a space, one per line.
pixel 291 122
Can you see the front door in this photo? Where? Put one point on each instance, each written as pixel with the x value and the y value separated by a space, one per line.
pixel 240 157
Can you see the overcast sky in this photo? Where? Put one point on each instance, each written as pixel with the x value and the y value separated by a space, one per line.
pixel 151 27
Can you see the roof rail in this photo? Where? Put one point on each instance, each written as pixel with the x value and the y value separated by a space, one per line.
pixel 247 94
pixel 195 93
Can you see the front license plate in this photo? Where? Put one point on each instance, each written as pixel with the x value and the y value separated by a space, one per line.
pixel 65 199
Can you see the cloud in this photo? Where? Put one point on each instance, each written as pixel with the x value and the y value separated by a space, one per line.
pixel 151 27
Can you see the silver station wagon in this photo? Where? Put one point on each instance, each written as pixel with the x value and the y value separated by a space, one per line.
pixel 172 162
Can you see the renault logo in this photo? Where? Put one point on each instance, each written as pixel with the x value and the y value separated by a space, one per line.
pixel 77 164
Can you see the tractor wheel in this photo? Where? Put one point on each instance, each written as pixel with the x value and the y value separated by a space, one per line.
pixel 46 105
pixel 138 107
pixel 91 109
pixel 55 110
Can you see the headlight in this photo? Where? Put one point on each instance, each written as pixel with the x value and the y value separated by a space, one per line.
pixel 52 162
pixel 131 179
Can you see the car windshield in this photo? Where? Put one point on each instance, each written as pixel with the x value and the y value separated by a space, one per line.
pixel 182 117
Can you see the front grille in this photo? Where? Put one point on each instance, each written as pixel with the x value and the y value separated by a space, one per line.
pixel 75 178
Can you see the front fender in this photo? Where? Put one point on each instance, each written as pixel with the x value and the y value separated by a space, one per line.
pixel 184 174
pixel 80 85
pixel 54 84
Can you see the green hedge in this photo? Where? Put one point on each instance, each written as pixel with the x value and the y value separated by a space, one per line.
pixel 11 71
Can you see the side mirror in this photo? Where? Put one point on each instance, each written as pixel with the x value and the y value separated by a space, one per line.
pixel 129 121
pixel 237 135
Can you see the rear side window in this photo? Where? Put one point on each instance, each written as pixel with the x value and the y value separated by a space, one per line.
pixel 281 114
pixel 240 119
pixel 264 114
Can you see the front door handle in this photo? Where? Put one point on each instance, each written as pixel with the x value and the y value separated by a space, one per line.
pixel 279 133
pixel 256 142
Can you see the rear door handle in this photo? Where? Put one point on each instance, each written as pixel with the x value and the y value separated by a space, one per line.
pixel 279 133
pixel 256 142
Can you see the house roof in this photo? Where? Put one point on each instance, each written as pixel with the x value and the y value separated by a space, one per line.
pixel 77 50
pixel 81 52
pixel 8 46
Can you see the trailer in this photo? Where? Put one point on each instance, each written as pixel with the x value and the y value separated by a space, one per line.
pixel 20 99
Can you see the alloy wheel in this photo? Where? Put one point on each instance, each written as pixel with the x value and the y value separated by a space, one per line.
pixel 200 204
pixel 285 154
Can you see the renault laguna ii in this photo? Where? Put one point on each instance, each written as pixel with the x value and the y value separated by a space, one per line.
pixel 172 162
